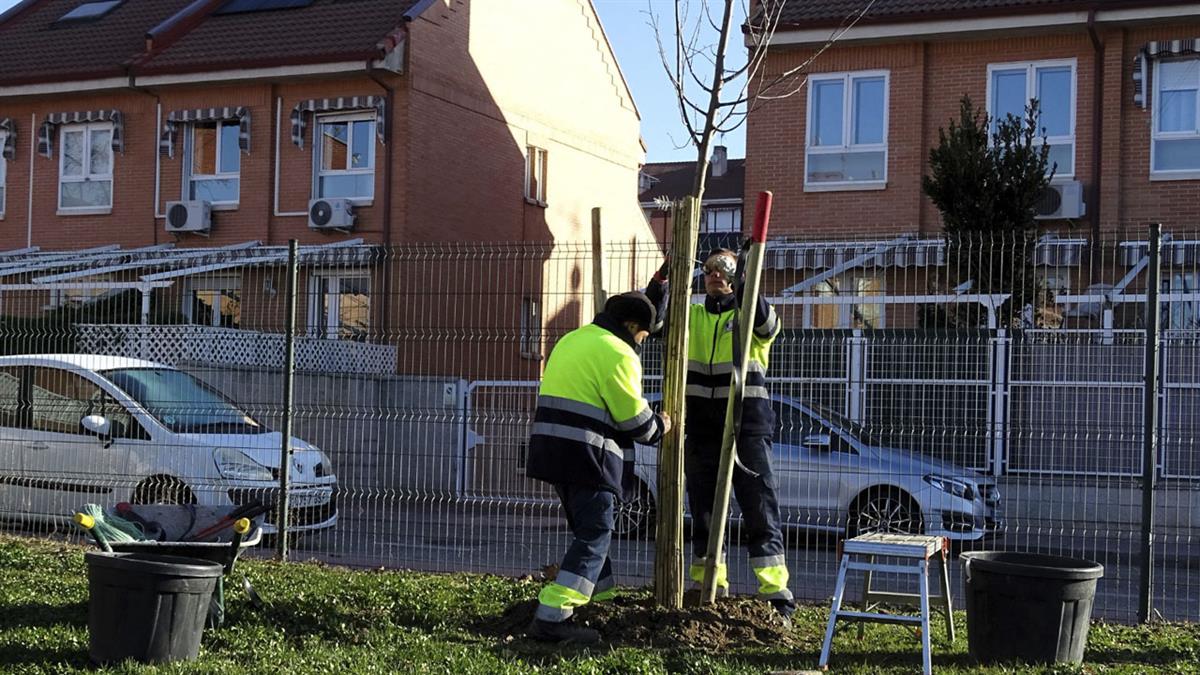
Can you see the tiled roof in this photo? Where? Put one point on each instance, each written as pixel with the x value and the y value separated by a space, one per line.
pixel 327 30
pixel 674 180
pixel 823 12
pixel 34 48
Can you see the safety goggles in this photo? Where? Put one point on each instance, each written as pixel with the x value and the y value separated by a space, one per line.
pixel 723 264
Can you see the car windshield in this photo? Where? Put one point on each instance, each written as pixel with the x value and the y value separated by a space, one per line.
pixel 842 422
pixel 182 403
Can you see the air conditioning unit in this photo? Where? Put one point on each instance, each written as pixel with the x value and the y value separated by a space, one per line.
pixel 330 214
pixel 1060 200
pixel 191 216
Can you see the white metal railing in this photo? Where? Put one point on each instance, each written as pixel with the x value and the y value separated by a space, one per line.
pixel 189 343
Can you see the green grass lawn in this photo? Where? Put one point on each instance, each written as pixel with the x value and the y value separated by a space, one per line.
pixel 325 619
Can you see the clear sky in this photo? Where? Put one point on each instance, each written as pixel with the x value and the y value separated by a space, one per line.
pixel 627 24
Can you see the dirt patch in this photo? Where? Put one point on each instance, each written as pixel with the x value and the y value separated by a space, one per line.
pixel 730 623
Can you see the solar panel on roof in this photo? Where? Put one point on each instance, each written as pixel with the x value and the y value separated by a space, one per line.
pixel 243 6
pixel 90 11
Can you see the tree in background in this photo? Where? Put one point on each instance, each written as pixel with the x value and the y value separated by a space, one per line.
pixel 986 176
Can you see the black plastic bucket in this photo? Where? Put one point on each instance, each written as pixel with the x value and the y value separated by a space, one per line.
pixel 1028 607
pixel 149 608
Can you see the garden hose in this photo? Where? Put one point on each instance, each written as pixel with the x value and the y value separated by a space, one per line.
pixel 110 528
pixel 88 524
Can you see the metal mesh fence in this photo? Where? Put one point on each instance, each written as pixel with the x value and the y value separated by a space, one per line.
pixel 990 391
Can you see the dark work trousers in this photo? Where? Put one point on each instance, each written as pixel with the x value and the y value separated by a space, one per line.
pixel 585 568
pixel 756 495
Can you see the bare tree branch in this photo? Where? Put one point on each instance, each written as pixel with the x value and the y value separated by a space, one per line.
pixel 705 107
pixel 833 38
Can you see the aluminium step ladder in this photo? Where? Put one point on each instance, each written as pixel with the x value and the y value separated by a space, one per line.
pixel 913 553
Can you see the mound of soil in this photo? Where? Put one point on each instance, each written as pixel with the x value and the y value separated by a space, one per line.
pixel 730 623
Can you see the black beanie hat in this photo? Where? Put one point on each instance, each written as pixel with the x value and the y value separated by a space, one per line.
pixel 631 306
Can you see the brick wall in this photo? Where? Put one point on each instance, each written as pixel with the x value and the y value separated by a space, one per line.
pixel 927 80
pixel 461 120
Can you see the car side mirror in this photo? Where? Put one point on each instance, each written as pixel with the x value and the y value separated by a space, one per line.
pixel 97 424
pixel 817 441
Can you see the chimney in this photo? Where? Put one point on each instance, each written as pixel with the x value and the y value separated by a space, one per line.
pixel 643 181
pixel 719 163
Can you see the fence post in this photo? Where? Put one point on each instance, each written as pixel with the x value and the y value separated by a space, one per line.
pixel 856 376
pixel 289 372
pixel 599 294
pixel 1000 343
pixel 1150 427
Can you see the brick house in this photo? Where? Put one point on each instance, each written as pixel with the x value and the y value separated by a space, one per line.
pixel 425 119
pixel 671 181
pixel 1118 83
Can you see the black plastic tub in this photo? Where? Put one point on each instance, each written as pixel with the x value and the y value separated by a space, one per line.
pixel 1028 607
pixel 149 608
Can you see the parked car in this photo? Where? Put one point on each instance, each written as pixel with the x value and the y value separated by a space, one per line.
pixel 77 428
pixel 830 477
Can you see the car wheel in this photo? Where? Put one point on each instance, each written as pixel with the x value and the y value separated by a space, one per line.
pixel 635 519
pixel 884 510
pixel 163 490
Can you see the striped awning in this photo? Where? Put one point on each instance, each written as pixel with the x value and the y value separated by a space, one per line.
pixel 1154 50
pixel 175 118
pixel 303 109
pixel 1049 251
pixel 9 129
pixel 53 120
pixel 1174 253
pixel 825 255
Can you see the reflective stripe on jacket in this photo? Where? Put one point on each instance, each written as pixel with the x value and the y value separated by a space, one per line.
pixel 589 407
pixel 710 363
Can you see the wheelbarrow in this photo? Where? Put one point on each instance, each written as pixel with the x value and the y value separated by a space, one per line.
pixel 213 533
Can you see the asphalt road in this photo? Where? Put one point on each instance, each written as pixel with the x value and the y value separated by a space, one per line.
pixel 506 538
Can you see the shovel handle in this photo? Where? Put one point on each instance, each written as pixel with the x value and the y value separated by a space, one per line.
pixel 240 528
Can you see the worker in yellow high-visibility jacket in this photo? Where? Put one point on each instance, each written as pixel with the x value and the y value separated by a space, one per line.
pixel 590 409
pixel 710 363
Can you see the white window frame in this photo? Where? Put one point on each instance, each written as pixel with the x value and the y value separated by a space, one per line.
pixel 188 160
pixel 537 162
pixel 88 128
pixel 219 284
pixel 1156 135
pixel 847 145
pixel 316 295
pixel 319 144
pixel 721 218
pixel 3 176
pixel 1031 68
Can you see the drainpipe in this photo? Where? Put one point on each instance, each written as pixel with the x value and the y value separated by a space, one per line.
pixel 388 143
pixel 1097 137
pixel 29 200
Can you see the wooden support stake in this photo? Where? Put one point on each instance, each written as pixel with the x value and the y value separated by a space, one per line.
pixel 669 578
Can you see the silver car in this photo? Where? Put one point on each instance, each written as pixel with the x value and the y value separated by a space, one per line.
pixel 76 428
pixel 831 478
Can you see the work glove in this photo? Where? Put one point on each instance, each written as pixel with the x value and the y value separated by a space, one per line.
pixel 664 271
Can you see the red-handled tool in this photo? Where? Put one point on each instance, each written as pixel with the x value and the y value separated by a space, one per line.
pixel 756 247
pixel 250 511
